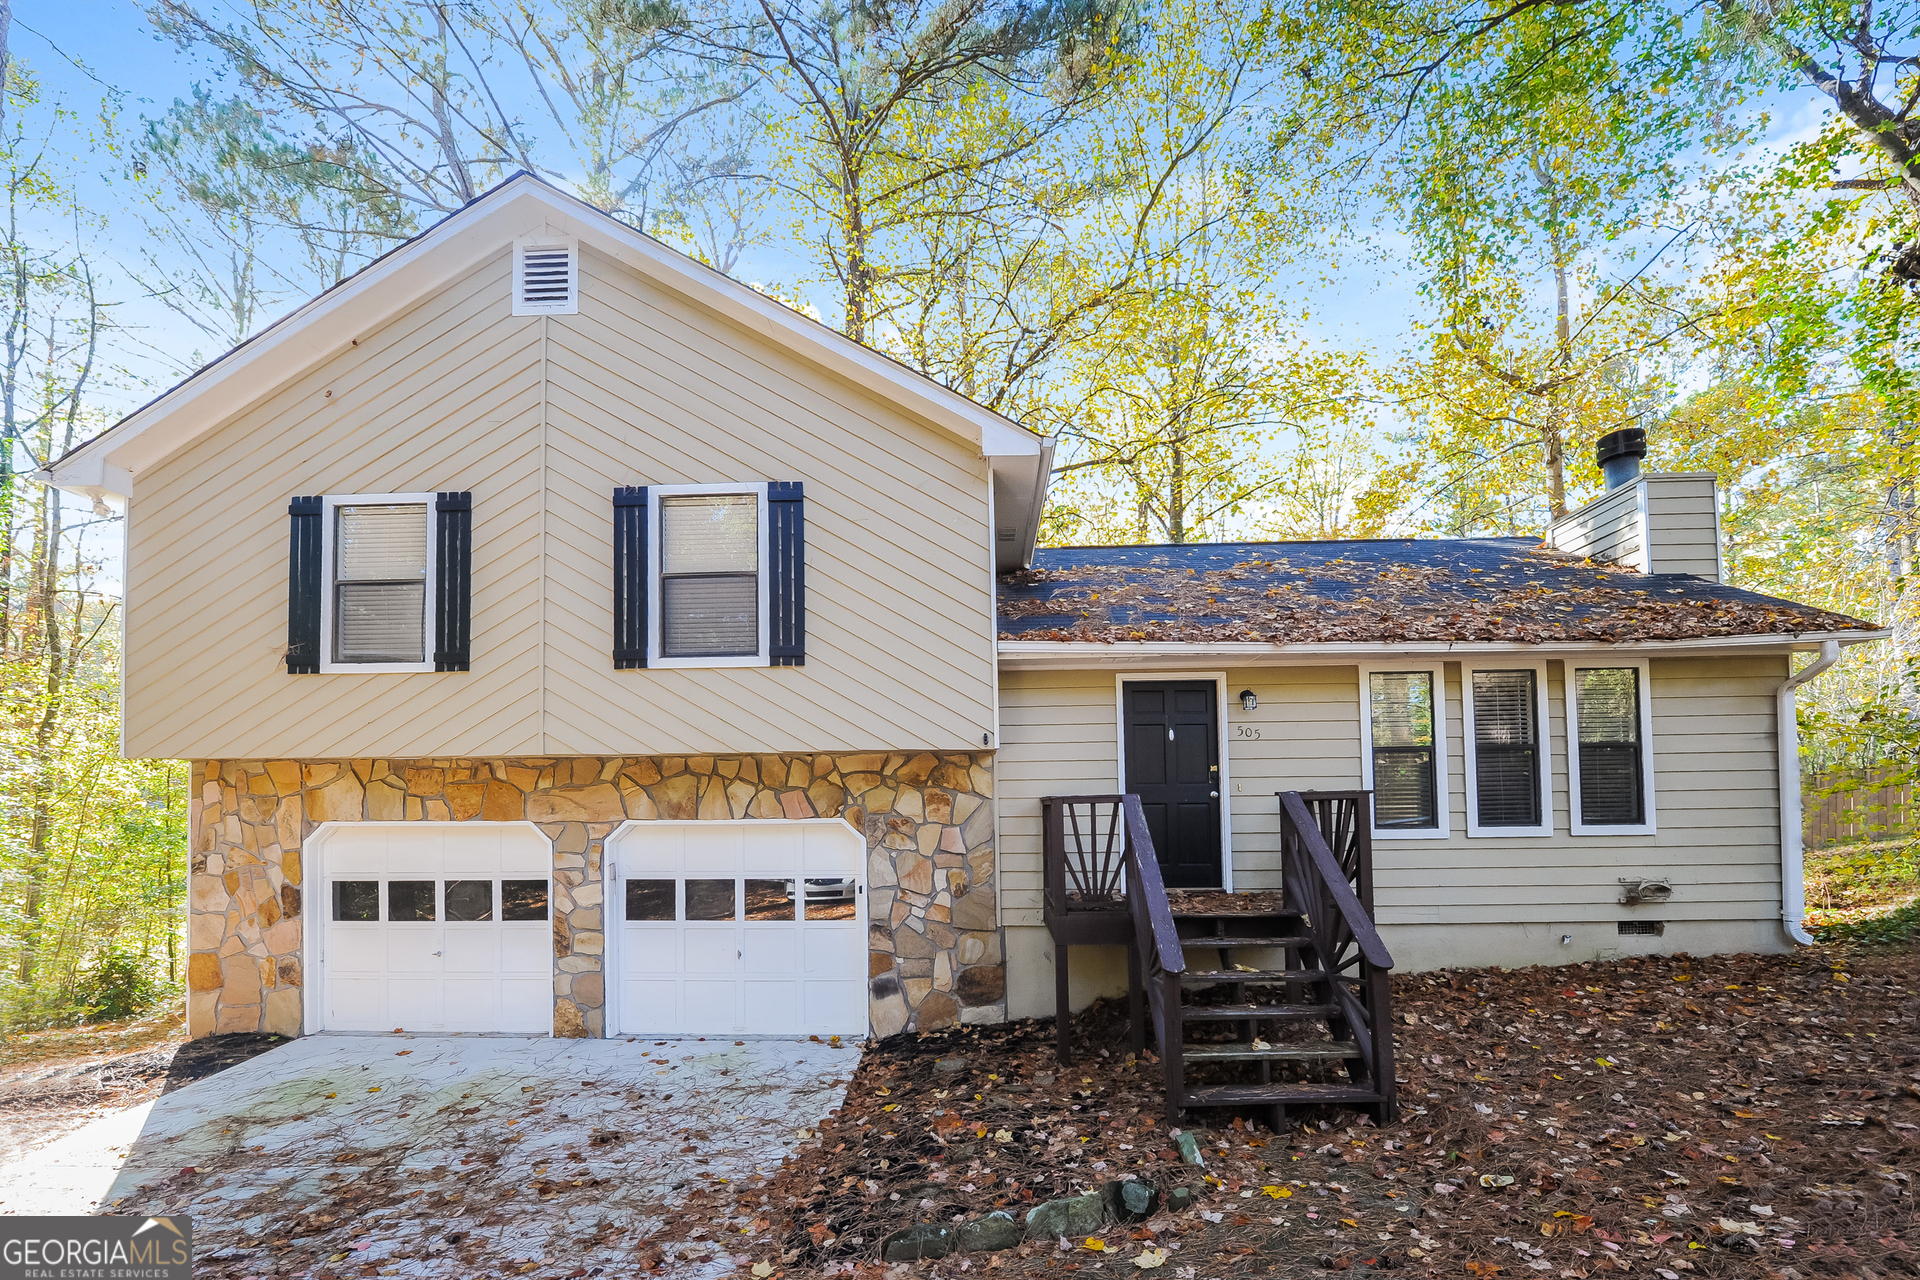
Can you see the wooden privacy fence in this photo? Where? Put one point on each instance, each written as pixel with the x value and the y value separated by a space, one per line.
pixel 1861 807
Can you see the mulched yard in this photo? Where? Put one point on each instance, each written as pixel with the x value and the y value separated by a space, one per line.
pixel 1734 1116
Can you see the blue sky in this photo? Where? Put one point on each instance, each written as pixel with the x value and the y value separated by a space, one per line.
pixel 1367 303
pixel 77 48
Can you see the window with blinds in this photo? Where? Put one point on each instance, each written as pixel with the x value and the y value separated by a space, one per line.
pixel 1612 778
pixel 380 583
pixel 1506 748
pixel 710 575
pixel 1405 785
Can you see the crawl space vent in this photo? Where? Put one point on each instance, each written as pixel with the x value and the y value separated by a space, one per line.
pixel 546 278
pixel 1641 928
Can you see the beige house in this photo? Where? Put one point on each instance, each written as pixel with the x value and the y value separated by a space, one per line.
pixel 546 615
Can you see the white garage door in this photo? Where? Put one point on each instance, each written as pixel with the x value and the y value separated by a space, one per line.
pixel 740 927
pixel 436 927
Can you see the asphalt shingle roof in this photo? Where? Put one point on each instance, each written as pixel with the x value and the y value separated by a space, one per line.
pixel 1374 591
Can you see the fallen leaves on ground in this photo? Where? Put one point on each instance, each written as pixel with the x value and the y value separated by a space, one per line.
pixel 1736 1116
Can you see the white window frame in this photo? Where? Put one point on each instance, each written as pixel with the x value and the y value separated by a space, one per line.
pixel 329 596
pixel 1544 725
pixel 1443 828
pixel 1579 827
pixel 656 506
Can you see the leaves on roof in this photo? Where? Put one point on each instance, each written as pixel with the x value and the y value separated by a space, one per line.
pixel 1377 591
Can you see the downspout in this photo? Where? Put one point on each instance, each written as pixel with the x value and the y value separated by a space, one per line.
pixel 1793 872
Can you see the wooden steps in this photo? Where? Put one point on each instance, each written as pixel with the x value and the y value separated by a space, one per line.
pixel 1263 1095
pixel 1252 977
pixel 1230 941
pixel 1242 1012
pixel 1318 1051
pixel 1299 1046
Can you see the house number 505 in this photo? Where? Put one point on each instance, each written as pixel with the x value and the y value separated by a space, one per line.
pixel 1246 731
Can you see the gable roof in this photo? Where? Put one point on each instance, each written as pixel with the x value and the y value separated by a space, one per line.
pixel 1421 591
pixel 520 206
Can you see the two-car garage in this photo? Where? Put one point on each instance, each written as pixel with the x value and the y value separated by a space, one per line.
pixel 709 928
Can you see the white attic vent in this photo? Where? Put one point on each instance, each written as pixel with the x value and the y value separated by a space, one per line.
pixel 546 277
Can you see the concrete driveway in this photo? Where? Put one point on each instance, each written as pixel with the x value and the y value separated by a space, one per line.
pixel 452 1155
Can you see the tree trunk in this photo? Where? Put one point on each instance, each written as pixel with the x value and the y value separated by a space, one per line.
pixel 1177 497
pixel 1563 347
pixel 53 686
pixel 859 273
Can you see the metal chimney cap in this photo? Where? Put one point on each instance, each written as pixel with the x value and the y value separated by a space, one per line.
pixel 1628 442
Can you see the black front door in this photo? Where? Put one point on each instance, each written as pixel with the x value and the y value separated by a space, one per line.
pixel 1173 765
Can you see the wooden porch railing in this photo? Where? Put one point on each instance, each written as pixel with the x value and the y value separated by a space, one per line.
pixel 1096 848
pixel 1103 887
pixel 1326 860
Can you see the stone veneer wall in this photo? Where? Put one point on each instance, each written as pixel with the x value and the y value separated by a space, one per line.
pixel 934 948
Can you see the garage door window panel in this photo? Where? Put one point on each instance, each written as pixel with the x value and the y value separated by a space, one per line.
pixel 411 900
pixel 652 900
pixel 357 900
pixel 769 900
pixel 469 900
pixel 710 900
pixel 522 900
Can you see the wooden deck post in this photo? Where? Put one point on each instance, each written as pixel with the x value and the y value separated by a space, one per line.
pixel 1062 1013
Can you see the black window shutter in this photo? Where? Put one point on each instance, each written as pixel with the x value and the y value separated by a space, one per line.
pixel 303 588
pixel 629 577
pixel 453 582
pixel 787 585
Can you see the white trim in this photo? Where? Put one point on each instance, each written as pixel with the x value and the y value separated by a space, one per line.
pixel 655 496
pixel 613 911
pixel 1719 537
pixel 1644 515
pixel 1443 828
pixel 1543 730
pixel 328 595
pixel 1219 678
pixel 316 905
pixel 1576 826
pixel 1072 654
pixel 570 305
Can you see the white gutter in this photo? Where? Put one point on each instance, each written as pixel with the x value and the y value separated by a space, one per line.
pixel 1793 868
pixel 1082 653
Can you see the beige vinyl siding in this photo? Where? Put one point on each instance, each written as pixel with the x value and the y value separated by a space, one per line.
pixel 645 388
pixel 1684 524
pixel 541 417
pixel 445 396
pixel 1716 798
pixel 1608 528
pixel 1057 737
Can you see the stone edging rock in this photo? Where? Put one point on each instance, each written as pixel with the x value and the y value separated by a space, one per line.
pixel 1126 1201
